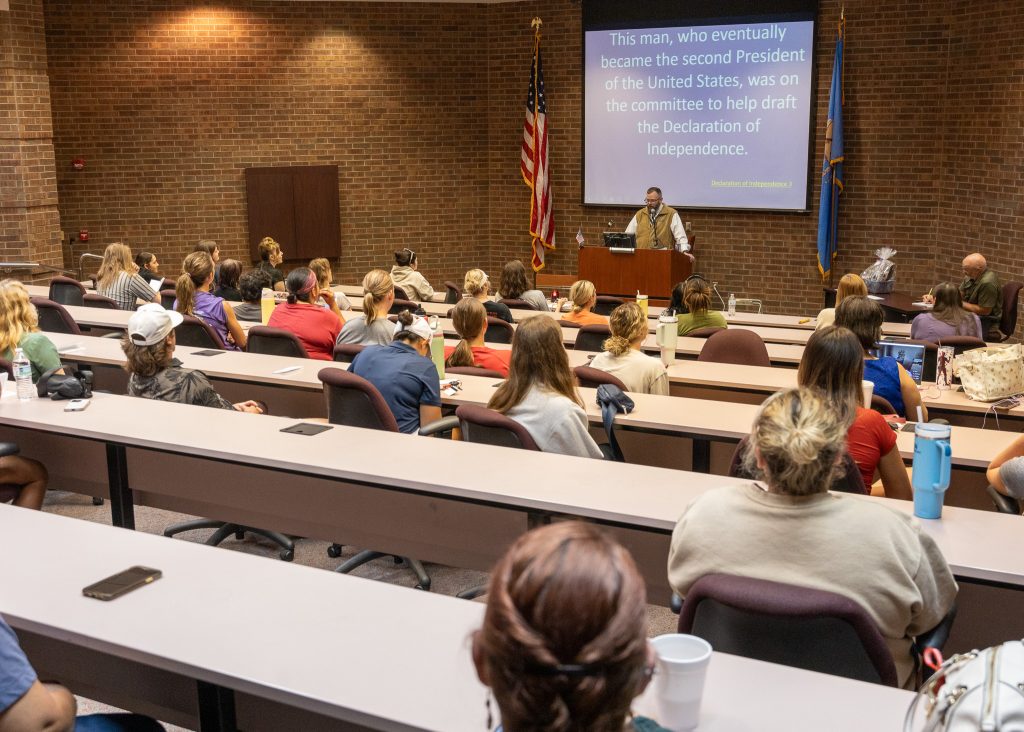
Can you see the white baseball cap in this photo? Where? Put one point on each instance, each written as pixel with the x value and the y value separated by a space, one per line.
pixel 419 326
pixel 151 324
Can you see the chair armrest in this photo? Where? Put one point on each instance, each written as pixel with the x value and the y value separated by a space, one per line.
pixel 440 426
pixel 676 603
pixel 1003 503
pixel 937 636
pixel 9 448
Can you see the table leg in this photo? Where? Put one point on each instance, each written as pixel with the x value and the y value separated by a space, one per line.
pixel 216 708
pixel 701 455
pixel 122 508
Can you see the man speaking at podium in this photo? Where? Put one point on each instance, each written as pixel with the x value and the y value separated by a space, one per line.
pixel 657 226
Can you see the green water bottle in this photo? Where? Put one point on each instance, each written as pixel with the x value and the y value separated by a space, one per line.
pixel 437 346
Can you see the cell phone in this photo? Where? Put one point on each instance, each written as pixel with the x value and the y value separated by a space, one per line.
pixel 122 583
pixel 909 427
pixel 77 405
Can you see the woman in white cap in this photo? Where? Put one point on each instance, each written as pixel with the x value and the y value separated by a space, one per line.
pixel 404 374
pixel 153 371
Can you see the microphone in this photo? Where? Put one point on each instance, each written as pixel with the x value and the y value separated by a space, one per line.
pixel 714 286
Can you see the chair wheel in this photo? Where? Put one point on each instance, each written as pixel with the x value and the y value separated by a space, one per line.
pixel 420 586
pixel 397 560
pixel 334 551
pixel 287 555
pixel 240 534
pixel 97 501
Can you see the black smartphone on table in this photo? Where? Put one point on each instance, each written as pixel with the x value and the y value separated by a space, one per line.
pixel 122 583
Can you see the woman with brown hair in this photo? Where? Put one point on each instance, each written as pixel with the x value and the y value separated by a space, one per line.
pixel 540 391
pixel 622 356
pixel 563 644
pixel 583 296
pixel 470 320
pixel 850 285
pixel 514 285
pixel 227 281
pixel 316 327
pixel 271 257
pixel 321 267
pixel 195 299
pixel 947 318
pixel 119 280
pixel 696 296
pixel 834 363
pixel 372 327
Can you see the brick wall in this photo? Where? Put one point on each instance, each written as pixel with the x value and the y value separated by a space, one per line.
pixel 421 106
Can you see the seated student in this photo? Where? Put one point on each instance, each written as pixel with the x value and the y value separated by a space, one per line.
pixel 117 278
pixel 404 374
pixel 19 328
pixel 540 391
pixel 325 278
pixel 227 281
pixel 478 286
pixel 834 363
pixel 563 644
pixel 892 382
pixel 28 704
pixel 1006 471
pixel 405 274
pixel 315 327
pixel 791 529
pixel 213 249
pixel 623 358
pixel 372 327
pixel 849 285
pixel 513 285
pixel 250 287
pixel 149 267
pixel 470 321
pixel 583 297
pixel 154 373
pixel 947 318
pixel 271 257
pixel 194 298
pixel 697 301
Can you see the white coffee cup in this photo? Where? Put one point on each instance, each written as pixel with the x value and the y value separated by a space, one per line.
pixel 679 682
pixel 869 389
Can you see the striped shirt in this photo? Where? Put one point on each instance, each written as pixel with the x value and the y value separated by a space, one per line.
pixel 125 289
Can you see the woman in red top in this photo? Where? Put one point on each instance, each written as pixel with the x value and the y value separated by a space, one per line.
pixel 470 320
pixel 834 362
pixel 316 327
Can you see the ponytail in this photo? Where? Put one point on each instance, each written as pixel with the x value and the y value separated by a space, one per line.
pixel 627 323
pixel 469 317
pixel 377 284
pixel 461 356
pixel 195 270
pixel 369 311
pixel 616 345
pixel 185 289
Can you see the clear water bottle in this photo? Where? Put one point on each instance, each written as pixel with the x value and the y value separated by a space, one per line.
pixel 732 304
pixel 23 375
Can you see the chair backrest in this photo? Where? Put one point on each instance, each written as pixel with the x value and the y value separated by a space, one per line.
pixel 704 332
pixel 54 318
pixel 7 367
pixel 498 331
pixel 275 342
pixel 592 338
pixel 345 352
pixel 473 371
pixel 606 303
pixel 92 300
pixel 516 304
pixel 196 333
pixel 66 291
pixel 485 426
pixel 592 378
pixel 452 292
pixel 961 344
pixel 851 481
pixel 399 305
pixel 881 404
pixel 743 347
pixel 401 294
pixel 355 402
pixel 794 626
pixel 568 324
pixel 167 298
pixel 167 284
pixel 1011 297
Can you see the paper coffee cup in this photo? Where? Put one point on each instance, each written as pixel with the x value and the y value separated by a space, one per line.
pixel 869 389
pixel 679 683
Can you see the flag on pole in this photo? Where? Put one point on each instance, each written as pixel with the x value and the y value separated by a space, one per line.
pixel 832 167
pixel 579 236
pixel 534 162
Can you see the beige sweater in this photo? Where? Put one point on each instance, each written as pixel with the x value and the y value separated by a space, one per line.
pixel 852 546
pixel 639 372
pixel 414 284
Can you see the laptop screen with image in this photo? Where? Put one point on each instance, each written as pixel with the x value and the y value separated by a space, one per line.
pixel 911 355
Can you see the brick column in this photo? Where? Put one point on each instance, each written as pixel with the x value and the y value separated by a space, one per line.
pixel 29 220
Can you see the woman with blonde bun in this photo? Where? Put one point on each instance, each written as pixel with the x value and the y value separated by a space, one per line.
pixel 477 285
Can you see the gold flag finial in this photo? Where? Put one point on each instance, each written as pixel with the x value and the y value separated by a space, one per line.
pixel 536 23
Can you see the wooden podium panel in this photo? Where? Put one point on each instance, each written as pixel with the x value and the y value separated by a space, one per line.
pixel 654 272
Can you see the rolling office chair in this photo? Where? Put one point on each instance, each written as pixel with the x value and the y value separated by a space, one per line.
pixel 401 294
pixel 473 371
pixel 224 529
pixel 345 352
pixel 66 291
pixel 592 338
pixel 591 378
pixel 704 332
pixel 606 303
pixel 851 481
pixel 403 304
pixel 92 300
pixel 168 298
pixel 516 304
pixel 498 331
pixel 1011 298
pixel 452 293
pixel 355 402
pixel 275 342
pixel 743 347
pixel 53 318
pixel 196 333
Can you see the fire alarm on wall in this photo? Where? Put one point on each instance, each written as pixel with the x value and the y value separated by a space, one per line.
pixel 78 163
pixel 83 235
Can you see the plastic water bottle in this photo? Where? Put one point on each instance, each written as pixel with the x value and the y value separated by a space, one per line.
pixel 732 304
pixel 23 375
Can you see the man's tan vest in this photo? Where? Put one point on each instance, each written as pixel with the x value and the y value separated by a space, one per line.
pixel 662 234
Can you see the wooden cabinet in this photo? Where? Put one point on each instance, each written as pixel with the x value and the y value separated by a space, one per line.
pixel 298 206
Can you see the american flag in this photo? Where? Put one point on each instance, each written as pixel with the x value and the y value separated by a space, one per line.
pixel 534 164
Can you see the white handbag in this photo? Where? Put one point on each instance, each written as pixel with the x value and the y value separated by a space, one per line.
pixel 991 373
pixel 972 692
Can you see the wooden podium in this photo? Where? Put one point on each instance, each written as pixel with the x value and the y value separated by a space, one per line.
pixel 654 272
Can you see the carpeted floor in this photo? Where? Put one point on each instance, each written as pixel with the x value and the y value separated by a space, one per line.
pixel 444 580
